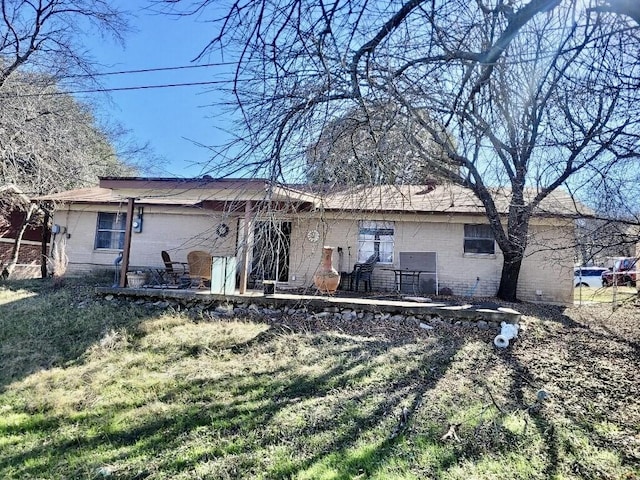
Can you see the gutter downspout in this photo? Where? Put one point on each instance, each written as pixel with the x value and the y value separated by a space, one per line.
pixel 127 243
pixel 245 249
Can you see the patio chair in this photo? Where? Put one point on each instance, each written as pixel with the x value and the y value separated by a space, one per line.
pixel 173 271
pixel 200 263
pixel 362 272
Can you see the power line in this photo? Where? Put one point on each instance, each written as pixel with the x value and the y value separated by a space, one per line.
pixel 121 89
pixel 137 87
pixel 140 87
pixel 148 70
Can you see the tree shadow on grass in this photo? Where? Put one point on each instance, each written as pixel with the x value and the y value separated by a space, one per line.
pixel 334 409
pixel 590 367
pixel 302 403
pixel 47 327
pixel 273 408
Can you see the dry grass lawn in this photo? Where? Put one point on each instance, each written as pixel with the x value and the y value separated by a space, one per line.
pixel 93 389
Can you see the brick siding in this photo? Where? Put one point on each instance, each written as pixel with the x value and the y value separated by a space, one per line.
pixel 29 253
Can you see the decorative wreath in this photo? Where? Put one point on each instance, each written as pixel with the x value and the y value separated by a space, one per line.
pixel 222 230
pixel 313 236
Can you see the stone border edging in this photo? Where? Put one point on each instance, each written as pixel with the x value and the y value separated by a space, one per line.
pixel 424 314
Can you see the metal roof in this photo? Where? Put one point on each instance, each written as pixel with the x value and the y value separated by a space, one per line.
pixel 440 199
pixel 181 193
pixel 383 198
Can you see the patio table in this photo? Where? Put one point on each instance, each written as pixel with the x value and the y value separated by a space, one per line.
pixel 412 275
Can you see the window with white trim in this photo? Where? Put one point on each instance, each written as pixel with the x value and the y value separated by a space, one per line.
pixel 110 231
pixel 375 237
pixel 478 239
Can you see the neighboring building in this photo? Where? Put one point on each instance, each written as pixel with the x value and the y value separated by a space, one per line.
pixel 30 251
pixel 286 227
pixel 13 204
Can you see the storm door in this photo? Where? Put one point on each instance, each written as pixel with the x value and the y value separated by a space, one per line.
pixel 271 248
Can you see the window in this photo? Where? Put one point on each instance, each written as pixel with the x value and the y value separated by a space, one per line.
pixel 375 237
pixel 478 239
pixel 110 231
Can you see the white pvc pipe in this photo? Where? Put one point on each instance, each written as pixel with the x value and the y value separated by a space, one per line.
pixel 508 332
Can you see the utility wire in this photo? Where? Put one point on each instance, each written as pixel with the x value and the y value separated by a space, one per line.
pixel 121 89
pixel 137 87
pixel 147 70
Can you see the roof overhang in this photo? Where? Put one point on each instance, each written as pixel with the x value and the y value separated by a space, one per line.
pixel 231 195
pixel 215 194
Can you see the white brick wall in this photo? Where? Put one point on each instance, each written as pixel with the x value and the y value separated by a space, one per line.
pixel 548 271
pixel 180 230
pixel 175 230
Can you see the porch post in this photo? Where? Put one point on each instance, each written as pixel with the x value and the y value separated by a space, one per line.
pixel 127 243
pixel 244 272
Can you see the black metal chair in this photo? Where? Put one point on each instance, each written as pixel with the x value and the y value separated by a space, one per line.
pixel 173 272
pixel 362 273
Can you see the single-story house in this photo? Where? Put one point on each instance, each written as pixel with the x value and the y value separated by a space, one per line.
pixel 278 231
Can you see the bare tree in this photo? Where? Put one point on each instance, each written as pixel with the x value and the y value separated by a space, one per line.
pixel 49 142
pixel 46 35
pixel 630 8
pixel 533 95
pixel 12 200
pixel 614 228
pixel 372 145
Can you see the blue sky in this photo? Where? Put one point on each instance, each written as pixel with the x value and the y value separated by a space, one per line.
pixel 170 119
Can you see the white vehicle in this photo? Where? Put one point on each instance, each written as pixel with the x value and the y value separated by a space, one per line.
pixel 588 276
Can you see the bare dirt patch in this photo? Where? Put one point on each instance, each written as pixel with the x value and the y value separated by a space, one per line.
pixel 586 359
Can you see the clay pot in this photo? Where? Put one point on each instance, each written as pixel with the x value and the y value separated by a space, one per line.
pixel 326 278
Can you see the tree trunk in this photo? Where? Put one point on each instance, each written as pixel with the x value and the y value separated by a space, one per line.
pixel 509 279
pixel 11 265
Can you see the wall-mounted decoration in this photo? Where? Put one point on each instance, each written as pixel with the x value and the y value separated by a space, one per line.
pixel 222 230
pixel 313 236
